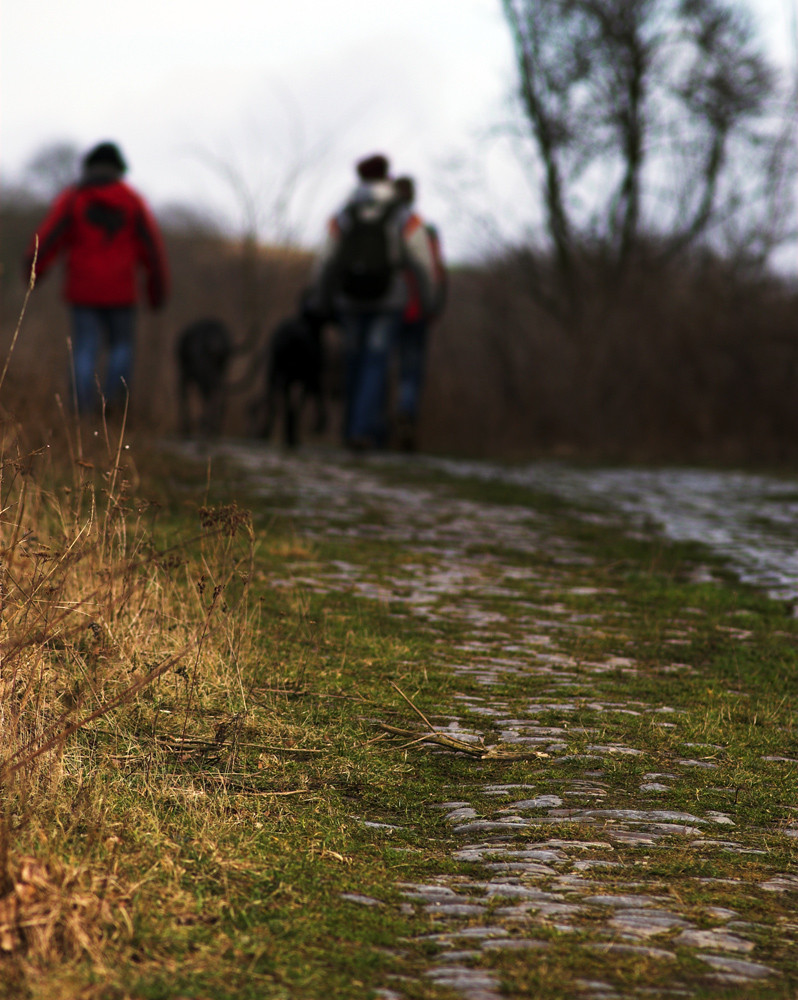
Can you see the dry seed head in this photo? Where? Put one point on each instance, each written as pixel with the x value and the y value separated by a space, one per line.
pixel 230 518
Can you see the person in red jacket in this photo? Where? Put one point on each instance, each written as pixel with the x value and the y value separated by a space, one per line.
pixel 417 318
pixel 106 234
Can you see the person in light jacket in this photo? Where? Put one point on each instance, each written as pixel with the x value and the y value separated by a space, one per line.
pixel 372 244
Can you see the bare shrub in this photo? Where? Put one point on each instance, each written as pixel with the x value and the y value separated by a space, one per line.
pixel 697 361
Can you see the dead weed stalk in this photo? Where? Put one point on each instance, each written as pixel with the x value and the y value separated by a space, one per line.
pixel 97 616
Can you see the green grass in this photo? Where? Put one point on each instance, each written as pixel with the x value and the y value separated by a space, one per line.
pixel 230 854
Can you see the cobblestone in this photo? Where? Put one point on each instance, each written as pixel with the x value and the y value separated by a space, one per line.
pixel 526 879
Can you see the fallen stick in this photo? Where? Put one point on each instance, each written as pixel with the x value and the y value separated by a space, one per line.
pixel 477 750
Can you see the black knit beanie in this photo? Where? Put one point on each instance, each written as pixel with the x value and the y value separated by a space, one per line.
pixel 373 168
pixel 105 154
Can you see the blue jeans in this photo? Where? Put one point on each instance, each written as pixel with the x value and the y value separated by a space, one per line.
pixel 369 339
pixel 114 328
pixel 412 344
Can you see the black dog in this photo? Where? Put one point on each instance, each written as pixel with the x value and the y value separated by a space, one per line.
pixel 295 366
pixel 204 349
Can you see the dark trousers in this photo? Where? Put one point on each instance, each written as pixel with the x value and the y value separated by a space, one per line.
pixel 369 339
pixel 412 350
pixel 111 327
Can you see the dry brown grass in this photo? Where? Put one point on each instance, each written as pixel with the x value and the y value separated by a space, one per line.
pixel 105 619
pixel 54 911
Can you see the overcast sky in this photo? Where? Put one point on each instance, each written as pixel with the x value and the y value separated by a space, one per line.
pixel 270 89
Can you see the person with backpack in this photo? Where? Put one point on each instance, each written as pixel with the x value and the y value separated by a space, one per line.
pixel 416 321
pixel 372 245
pixel 106 234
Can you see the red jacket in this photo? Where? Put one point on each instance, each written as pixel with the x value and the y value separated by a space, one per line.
pixel 105 231
pixel 414 310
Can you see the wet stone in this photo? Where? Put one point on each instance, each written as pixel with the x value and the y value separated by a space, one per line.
pixel 556 909
pixel 632 949
pixel 472 984
pixel 579 845
pixel 510 891
pixel 427 893
pixel 541 802
pixel 647 923
pixel 623 901
pixel 457 815
pixel 443 909
pixel 720 940
pixel 781 883
pixel 744 926
pixel 512 738
pixel 469 854
pixel 579 756
pixel 644 815
pixel 505 789
pixel 478 852
pixel 487 826
pixel 736 967
pixel 720 818
pixel 676 829
pixel 514 725
pixel 597 987
pixel 514 944
pixel 519 912
pixel 354 897
pixel 457 956
pixel 729 844
pixel 492 931
pixel 525 867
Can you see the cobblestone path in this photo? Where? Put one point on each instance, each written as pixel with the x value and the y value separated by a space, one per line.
pixel 517 883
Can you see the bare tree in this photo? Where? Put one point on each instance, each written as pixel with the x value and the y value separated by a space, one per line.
pixel 52 168
pixel 653 123
pixel 251 226
pixel 270 188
